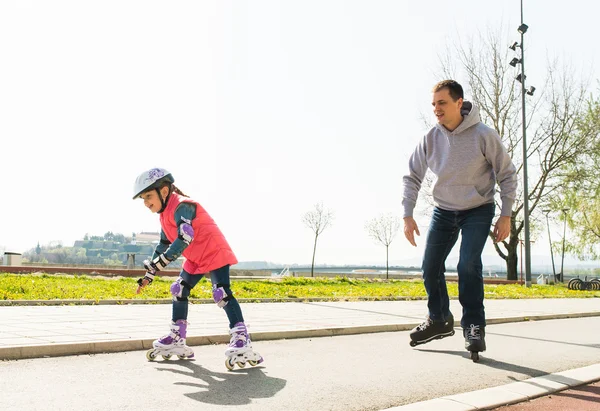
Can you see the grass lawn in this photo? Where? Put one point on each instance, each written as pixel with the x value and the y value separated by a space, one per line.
pixel 83 287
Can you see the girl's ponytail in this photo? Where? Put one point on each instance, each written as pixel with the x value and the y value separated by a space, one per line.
pixel 175 189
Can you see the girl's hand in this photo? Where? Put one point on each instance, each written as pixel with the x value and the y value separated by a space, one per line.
pixel 142 282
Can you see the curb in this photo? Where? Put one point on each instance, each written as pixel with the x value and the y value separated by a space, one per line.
pixel 99 347
pixel 21 303
pixel 490 398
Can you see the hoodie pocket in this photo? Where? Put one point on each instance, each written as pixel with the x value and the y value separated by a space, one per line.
pixel 458 197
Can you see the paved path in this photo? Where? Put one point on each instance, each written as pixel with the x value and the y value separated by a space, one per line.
pixel 38 331
pixel 582 398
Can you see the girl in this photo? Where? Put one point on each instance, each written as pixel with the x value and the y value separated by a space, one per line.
pixel 188 230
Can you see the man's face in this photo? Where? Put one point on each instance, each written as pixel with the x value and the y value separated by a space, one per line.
pixel 446 110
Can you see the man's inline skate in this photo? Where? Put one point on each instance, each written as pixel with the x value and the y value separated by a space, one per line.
pixel 172 343
pixel 240 350
pixel 474 340
pixel 430 330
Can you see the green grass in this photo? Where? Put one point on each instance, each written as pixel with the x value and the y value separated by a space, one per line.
pixel 66 287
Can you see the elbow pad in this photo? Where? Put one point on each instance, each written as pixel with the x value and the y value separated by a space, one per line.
pixel 186 233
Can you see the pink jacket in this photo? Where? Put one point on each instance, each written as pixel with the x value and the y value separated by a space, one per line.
pixel 209 249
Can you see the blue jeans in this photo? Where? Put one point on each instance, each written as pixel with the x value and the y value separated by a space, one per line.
pixel 474 226
pixel 219 276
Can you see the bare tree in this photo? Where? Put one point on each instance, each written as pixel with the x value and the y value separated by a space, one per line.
pixel 552 120
pixel 317 220
pixel 383 229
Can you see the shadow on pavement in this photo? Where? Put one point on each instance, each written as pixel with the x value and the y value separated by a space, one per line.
pixel 544 340
pixel 236 387
pixel 490 362
pixel 579 393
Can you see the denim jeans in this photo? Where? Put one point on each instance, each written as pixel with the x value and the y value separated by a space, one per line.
pixel 474 227
pixel 219 276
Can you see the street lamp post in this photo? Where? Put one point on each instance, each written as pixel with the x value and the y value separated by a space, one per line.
pixel 562 263
pixel 550 241
pixel 521 78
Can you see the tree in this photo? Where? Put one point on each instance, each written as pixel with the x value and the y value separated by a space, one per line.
pixel 119 238
pixel 580 189
pixel 554 132
pixel 317 220
pixel 383 229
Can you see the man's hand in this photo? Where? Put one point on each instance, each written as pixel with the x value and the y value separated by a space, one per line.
pixel 410 228
pixel 502 229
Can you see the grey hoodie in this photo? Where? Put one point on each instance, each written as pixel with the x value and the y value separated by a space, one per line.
pixel 467 162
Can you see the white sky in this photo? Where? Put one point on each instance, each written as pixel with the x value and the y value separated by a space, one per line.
pixel 259 108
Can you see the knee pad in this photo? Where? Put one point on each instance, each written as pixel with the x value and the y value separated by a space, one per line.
pixel 180 290
pixel 221 295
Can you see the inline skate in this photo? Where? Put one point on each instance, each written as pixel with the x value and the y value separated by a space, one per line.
pixel 172 343
pixel 430 330
pixel 474 340
pixel 240 350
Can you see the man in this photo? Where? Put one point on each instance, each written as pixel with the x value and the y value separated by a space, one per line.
pixel 468 159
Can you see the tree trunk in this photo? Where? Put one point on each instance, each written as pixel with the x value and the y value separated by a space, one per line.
pixel 312 267
pixel 387 266
pixel 512 257
pixel 512 260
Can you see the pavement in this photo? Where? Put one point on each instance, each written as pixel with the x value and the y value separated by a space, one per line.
pixel 33 331
pixel 581 398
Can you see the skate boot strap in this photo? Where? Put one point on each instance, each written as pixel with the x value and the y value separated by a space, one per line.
pixel 239 329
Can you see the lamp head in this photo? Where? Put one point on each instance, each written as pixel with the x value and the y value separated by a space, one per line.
pixel 523 28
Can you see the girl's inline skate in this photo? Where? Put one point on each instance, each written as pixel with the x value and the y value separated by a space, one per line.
pixel 240 350
pixel 172 343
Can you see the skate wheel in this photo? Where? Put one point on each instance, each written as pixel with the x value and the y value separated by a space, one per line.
pixel 229 364
pixel 475 356
pixel 181 357
pixel 253 363
pixel 241 364
pixel 167 356
pixel 452 333
pixel 413 344
pixel 150 356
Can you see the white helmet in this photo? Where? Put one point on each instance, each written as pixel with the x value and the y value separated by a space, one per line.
pixel 150 179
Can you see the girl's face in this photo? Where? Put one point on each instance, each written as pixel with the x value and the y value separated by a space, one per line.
pixel 151 199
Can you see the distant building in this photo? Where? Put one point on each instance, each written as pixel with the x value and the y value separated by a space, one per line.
pixel 141 245
pixel 147 237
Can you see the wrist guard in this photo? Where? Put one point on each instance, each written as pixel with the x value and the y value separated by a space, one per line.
pixel 158 264
pixel 148 276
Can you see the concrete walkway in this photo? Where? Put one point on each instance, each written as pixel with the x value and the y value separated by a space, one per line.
pixel 36 331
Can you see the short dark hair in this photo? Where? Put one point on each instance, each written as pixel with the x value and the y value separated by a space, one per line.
pixel 455 89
